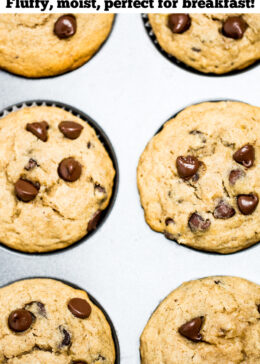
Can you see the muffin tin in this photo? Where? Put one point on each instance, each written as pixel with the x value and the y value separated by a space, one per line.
pixel 130 90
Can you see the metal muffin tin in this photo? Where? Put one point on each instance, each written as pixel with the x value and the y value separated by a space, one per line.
pixel 181 64
pixel 130 90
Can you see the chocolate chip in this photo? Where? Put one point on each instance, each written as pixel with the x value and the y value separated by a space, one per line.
pixel 223 211
pixel 179 23
pixel 66 336
pixel 65 26
pixel 245 155
pixel 216 282
pixel 187 166
pixel 197 223
pixel 25 190
pixel 169 221
pixel 37 308
pixel 31 164
pixel 247 203
pixel 92 224
pixel 191 329
pixel 20 320
pixel 194 49
pixel 79 308
pixel 69 169
pixel 99 188
pixel 70 129
pixel 39 130
pixel 258 308
pixel 234 175
pixel 234 27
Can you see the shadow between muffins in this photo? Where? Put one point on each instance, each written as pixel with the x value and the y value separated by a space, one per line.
pixel 183 65
pixel 253 246
pixel 92 299
pixel 102 136
pixel 68 71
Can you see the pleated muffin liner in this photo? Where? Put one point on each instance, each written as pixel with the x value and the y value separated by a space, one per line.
pixel 102 136
pixel 92 299
pixel 174 240
pixel 183 65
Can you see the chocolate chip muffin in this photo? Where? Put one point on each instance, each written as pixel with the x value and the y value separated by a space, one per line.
pixel 56 179
pixel 44 321
pixel 198 177
pixel 207 321
pixel 40 45
pixel 210 43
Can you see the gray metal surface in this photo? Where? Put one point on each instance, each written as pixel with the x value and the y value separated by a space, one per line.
pixel 130 89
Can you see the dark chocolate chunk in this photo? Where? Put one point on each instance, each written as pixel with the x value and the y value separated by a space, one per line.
pixel 70 129
pixel 234 27
pixel 39 130
pixel 20 320
pixel 223 211
pixel 65 26
pixel 25 190
pixel 247 203
pixel 187 167
pixel 245 155
pixel 92 224
pixel 235 175
pixel 31 165
pixel 179 23
pixel 191 329
pixel 197 223
pixel 69 169
pixel 66 340
pixel 79 308
pixel 169 221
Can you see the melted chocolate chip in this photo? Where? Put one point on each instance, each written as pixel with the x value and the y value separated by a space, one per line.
pixel 65 26
pixel 169 221
pixel 39 130
pixel 37 308
pixel 191 329
pixel 223 211
pixel 235 175
pixel 25 190
pixel 66 341
pixel 245 155
pixel 187 167
pixel 92 224
pixel 197 223
pixel 20 320
pixel 69 169
pixel 234 27
pixel 179 23
pixel 99 188
pixel 79 308
pixel 31 165
pixel 70 129
pixel 247 203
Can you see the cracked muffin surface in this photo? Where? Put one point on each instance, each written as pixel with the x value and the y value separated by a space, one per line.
pixel 198 178
pixel 56 179
pixel 41 45
pixel 210 43
pixel 55 332
pixel 211 320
